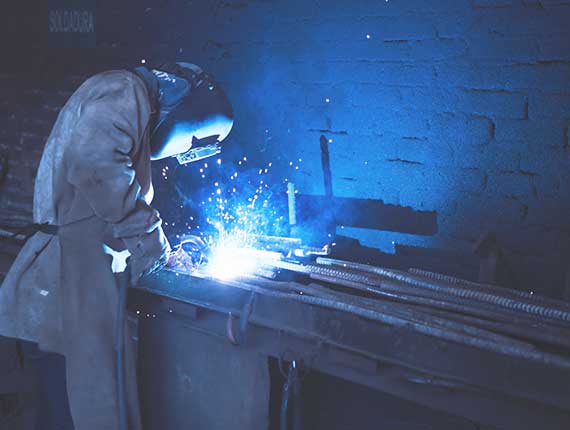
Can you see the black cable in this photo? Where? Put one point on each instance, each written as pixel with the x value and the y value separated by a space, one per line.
pixel 124 280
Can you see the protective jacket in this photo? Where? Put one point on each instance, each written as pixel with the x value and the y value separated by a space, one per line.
pixel 94 182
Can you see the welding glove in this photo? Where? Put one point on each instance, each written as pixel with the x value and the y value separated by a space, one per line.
pixel 191 252
pixel 142 234
pixel 146 256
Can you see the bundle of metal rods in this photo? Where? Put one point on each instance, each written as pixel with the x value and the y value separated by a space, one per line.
pixel 489 317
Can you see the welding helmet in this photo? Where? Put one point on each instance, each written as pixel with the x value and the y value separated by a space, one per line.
pixel 194 114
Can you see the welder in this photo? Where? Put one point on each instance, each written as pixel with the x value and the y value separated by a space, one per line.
pixel 92 205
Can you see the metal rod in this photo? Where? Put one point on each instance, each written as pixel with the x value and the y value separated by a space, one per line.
pixel 433 321
pixel 505 302
pixel 291 204
pixel 365 282
pixel 326 164
pixel 547 335
pixel 476 342
pixel 502 291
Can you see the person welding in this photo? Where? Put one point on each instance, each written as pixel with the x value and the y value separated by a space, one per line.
pixel 91 205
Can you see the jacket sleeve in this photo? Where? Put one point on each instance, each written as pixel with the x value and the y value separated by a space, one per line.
pixel 99 165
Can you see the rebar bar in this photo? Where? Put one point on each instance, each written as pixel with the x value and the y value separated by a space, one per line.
pixel 471 341
pixel 495 289
pixel 407 294
pixel 505 302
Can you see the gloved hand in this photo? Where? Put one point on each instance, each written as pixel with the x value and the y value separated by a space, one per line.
pixel 191 252
pixel 149 253
pixel 141 267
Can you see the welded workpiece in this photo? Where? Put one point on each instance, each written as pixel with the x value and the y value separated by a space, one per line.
pixel 230 259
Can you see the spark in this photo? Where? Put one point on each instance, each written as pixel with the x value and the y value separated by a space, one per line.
pixel 236 215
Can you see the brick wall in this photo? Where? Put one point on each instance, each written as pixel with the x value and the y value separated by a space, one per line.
pixel 456 106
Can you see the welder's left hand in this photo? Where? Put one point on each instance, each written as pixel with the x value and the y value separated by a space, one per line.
pixel 179 259
pixel 192 252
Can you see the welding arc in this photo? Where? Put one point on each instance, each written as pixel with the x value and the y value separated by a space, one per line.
pixel 493 299
pixel 509 348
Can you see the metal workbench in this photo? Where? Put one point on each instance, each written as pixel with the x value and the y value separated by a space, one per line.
pixel 204 347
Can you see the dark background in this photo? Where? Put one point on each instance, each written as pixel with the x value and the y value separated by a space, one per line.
pixel 459 107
